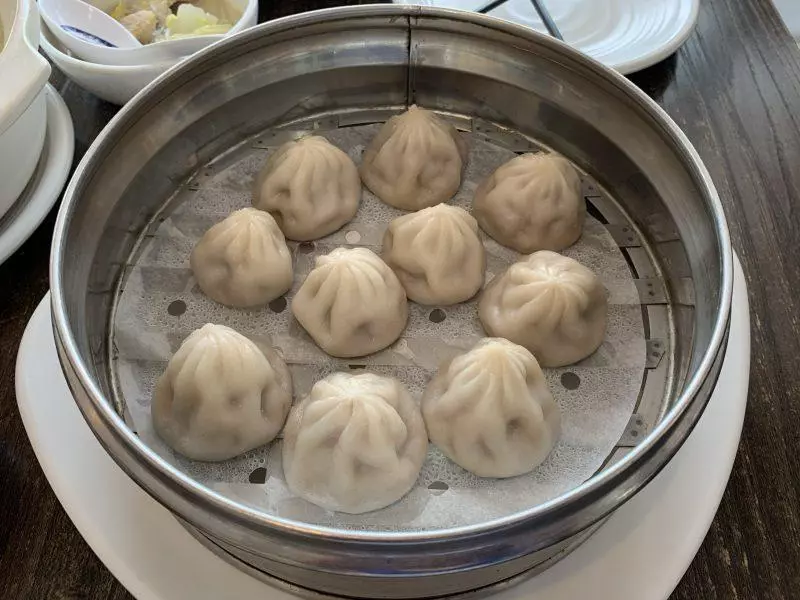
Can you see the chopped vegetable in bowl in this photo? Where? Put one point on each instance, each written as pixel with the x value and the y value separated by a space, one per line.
pixel 158 20
pixel 192 20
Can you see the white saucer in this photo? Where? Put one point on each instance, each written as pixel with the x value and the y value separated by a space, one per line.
pixel 626 35
pixel 44 188
pixel 789 10
pixel 639 554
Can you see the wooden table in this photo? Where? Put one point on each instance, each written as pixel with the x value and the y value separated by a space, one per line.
pixel 735 90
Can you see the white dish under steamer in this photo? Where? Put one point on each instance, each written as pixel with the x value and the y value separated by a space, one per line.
pixel 504 86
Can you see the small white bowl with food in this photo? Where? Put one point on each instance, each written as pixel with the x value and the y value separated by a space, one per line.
pixel 115 84
pixel 176 36
pixel 23 110
pixel 141 32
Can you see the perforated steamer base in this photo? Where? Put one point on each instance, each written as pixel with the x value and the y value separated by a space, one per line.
pixel 608 401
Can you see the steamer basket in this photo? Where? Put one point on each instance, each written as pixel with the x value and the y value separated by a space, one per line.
pixel 351 66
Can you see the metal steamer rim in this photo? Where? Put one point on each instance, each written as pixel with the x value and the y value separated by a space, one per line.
pixel 155 474
pixel 309 593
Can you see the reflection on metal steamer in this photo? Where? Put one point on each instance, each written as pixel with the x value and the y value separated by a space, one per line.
pixel 516 88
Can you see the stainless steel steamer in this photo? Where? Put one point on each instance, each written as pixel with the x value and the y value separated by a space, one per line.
pixel 356 65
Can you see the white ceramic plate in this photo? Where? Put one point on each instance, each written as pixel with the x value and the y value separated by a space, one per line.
pixel 44 189
pixel 626 35
pixel 790 12
pixel 639 554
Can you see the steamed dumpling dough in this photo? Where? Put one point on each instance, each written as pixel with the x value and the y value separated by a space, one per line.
pixel 351 303
pixel 437 254
pixel 243 261
pixel 490 410
pixel 310 186
pixel 356 443
pixel 551 304
pixel 415 160
pixel 221 395
pixel 532 202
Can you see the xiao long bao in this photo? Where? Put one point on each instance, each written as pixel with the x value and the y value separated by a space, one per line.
pixel 550 304
pixel 221 395
pixel 310 186
pixel 415 161
pixel 532 202
pixel 351 303
pixel 243 261
pixel 490 411
pixel 437 254
pixel 355 444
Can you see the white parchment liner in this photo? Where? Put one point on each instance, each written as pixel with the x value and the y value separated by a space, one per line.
pixel 160 305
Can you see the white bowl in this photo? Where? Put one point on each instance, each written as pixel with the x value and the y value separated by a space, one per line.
pixel 158 52
pixel 58 14
pixel 168 50
pixel 23 111
pixel 115 84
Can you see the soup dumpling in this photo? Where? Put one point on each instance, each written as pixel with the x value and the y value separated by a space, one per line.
pixel 351 303
pixel 243 261
pixel 355 444
pixel 310 186
pixel 414 161
pixel 437 254
pixel 490 410
pixel 532 202
pixel 221 395
pixel 549 303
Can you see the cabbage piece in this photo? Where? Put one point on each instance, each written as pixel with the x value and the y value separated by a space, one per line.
pixel 120 11
pixel 217 29
pixel 225 10
pixel 190 19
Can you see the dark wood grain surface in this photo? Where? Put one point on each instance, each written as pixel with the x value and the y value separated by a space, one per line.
pixel 735 90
